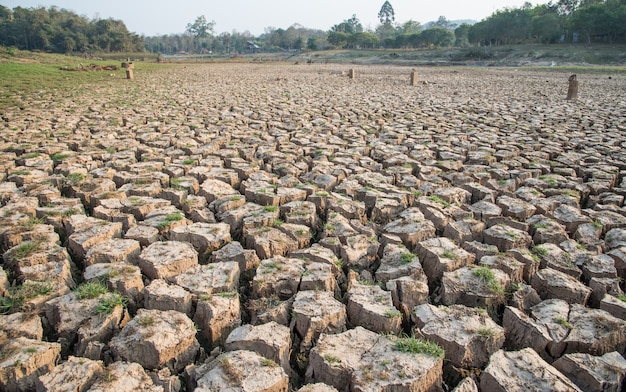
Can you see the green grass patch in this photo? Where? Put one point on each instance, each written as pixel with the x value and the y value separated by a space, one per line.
pixel 448 254
pixel 562 321
pixel 106 304
pixel 331 358
pixel 89 290
pixel 410 344
pixel 438 200
pixel 30 155
pixel 393 314
pixel 18 295
pixel 30 223
pixel 25 76
pixel 406 258
pixel 539 250
pixel 75 178
pixel 25 249
pixel 486 332
pixel 59 156
pixel 487 275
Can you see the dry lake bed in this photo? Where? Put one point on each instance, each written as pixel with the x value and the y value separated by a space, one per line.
pixel 285 227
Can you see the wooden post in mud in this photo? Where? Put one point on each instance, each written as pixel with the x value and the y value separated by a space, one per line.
pixel 129 71
pixel 413 80
pixel 572 91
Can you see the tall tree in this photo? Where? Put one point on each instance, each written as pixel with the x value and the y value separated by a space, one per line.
pixel 201 28
pixel 386 15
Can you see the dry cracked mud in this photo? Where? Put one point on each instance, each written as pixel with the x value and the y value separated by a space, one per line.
pixel 275 227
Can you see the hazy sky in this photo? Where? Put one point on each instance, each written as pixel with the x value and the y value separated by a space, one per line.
pixel 155 17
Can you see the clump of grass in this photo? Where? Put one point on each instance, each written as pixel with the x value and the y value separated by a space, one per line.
pixel 270 209
pixel 277 223
pixel 393 314
pixel 597 225
pixel 91 290
pixel 438 200
pixel 410 344
pixel 189 161
pixel 227 294
pixel 562 321
pixel 231 370
pixel 18 295
pixel 406 258
pixel 146 320
pixel 30 223
pixel 106 304
pixel 174 217
pixel 448 254
pixel 540 250
pixel 30 155
pixel 75 178
pixel 622 297
pixel 331 358
pixel 268 363
pixel 175 183
pixel 59 156
pixel 541 225
pixel 25 249
pixel 487 275
pixel 486 332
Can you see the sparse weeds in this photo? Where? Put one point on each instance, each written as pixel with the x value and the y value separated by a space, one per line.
pixel 449 254
pixel 231 370
pixel 540 250
pixel 438 200
pixel 268 363
pixel 25 249
pixel 487 275
pixel 146 320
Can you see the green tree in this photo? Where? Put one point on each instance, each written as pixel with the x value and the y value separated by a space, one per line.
pixel 201 28
pixel 461 35
pixel 409 27
pixel 386 15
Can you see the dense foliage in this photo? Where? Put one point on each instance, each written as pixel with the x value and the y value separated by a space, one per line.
pixel 63 31
pixel 565 21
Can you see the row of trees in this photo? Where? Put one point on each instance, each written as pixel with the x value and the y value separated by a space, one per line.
pixel 60 30
pixel 564 21
pixel 63 31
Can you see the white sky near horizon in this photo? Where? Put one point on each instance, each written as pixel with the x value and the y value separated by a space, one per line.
pixel 158 17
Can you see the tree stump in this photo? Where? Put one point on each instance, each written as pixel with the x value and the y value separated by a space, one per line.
pixel 352 73
pixel 572 91
pixel 413 80
pixel 129 74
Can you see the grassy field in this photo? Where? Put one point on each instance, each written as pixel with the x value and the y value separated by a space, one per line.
pixel 26 73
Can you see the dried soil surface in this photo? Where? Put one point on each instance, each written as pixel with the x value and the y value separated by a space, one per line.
pixel 478 191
